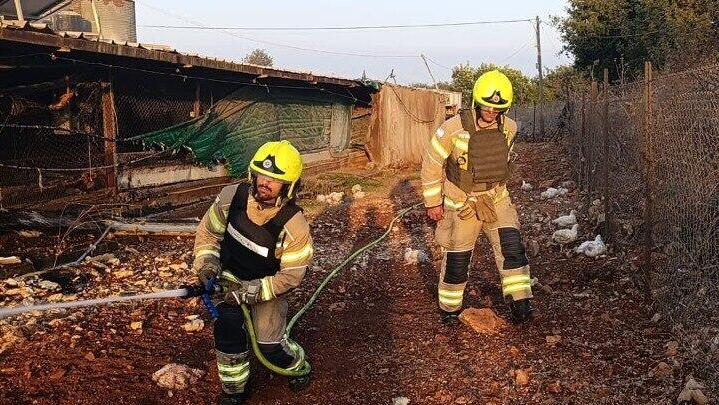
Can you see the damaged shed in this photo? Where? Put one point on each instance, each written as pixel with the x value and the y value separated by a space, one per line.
pixel 86 118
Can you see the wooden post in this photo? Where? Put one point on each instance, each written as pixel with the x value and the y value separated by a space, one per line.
pixel 196 106
pixel 590 152
pixel 582 149
pixel 648 186
pixel 605 153
pixel 109 131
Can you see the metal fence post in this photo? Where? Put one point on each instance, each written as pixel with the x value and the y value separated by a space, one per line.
pixel 648 186
pixel 582 149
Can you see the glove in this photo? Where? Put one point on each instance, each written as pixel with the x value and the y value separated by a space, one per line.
pixel 209 269
pixel 244 292
pixel 480 206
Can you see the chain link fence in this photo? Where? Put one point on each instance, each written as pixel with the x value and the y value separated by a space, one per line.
pixel 51 144
pixel 647 156
pixel 528 119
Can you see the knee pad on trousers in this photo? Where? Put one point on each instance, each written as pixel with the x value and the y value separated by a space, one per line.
pixel 457 266
pixel 275 353
pixel 230 335
pixel 513 251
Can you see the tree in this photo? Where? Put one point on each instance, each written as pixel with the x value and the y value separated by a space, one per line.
pixel 464 76
pixel 258 57
pixel 671 34
pixel 562 80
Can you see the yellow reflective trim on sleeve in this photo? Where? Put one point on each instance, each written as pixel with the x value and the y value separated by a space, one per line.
pixel 229 277
pixel 451 302
pixel 303 253
pixel 207 251
pixel 516 279
pixel 432 191
pixel 461 144
pixel 216 223
pixel 267 293
pixel 441 151
pixel 450 203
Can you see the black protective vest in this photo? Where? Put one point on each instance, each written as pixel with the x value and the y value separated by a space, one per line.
pixel 247 249
pixel 485 160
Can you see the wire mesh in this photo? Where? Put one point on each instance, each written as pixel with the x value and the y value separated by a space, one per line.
pixel 647 154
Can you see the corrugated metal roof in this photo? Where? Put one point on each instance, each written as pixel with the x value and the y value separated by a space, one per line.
pixel 41 34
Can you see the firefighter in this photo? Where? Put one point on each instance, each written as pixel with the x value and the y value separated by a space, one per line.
pixel 255 240
pixel 465 170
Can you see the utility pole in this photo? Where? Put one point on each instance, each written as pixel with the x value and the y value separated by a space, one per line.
pixel 430 71
pixel 541 77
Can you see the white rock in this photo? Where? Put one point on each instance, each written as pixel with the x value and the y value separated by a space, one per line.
pixel 400 401
pixel 412 256
pixel 356 188
pixel 10 260
pixel 592 248
pixel 566 220
pixel 359 195
pixel 526 186
pixel 194 325
pixel 48 285
pixel 176 376
pixel 321 198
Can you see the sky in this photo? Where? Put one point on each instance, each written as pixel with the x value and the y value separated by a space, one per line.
pixel 383 51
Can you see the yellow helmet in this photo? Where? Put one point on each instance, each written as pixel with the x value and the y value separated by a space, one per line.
pixel 279 160
pixel 493 89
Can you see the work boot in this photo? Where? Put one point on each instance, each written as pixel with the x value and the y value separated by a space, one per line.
pixel 521 310
pixel 449 318
pixel 232 399
pixel 299 383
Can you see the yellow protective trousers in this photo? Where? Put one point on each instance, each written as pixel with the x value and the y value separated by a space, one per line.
pixel 457 237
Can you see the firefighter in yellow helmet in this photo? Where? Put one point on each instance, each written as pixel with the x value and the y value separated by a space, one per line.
pixel 256 240
pixel 465 169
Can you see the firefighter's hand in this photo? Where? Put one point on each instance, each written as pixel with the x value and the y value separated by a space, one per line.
pixel 468 209
pixel 209 269
pixel 243 292
pixel 435 213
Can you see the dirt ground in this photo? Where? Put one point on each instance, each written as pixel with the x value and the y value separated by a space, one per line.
pixel 374 335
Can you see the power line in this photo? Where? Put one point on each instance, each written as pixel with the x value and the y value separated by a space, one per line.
pixel 346 28
pixel 260 41
pixel 438 64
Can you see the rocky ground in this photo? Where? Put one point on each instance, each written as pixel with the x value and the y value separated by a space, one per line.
pixel 374 336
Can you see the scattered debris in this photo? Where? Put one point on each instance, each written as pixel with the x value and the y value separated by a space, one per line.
pixel 482 320
pixel 533 247
pixel 400 401
pixel 672 348
pixel 554 388
pixel 136 325
pixel 195 325
pixel 412 256
pixel 521 377
pixel 175 376
pixel 592 248
pixel 332 198
pixel 566 220
pixel 29 234
pixel 565 236
pixel 553 340
pixel 526 186
pixel 357 192
pixel 10 260
pixel 552 192
pixel 9 338
pixel 693 392
pixel 48 285
pixel 661 371
pixel 569 184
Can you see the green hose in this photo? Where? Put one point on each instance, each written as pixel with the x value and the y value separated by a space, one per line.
pixel 306 368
